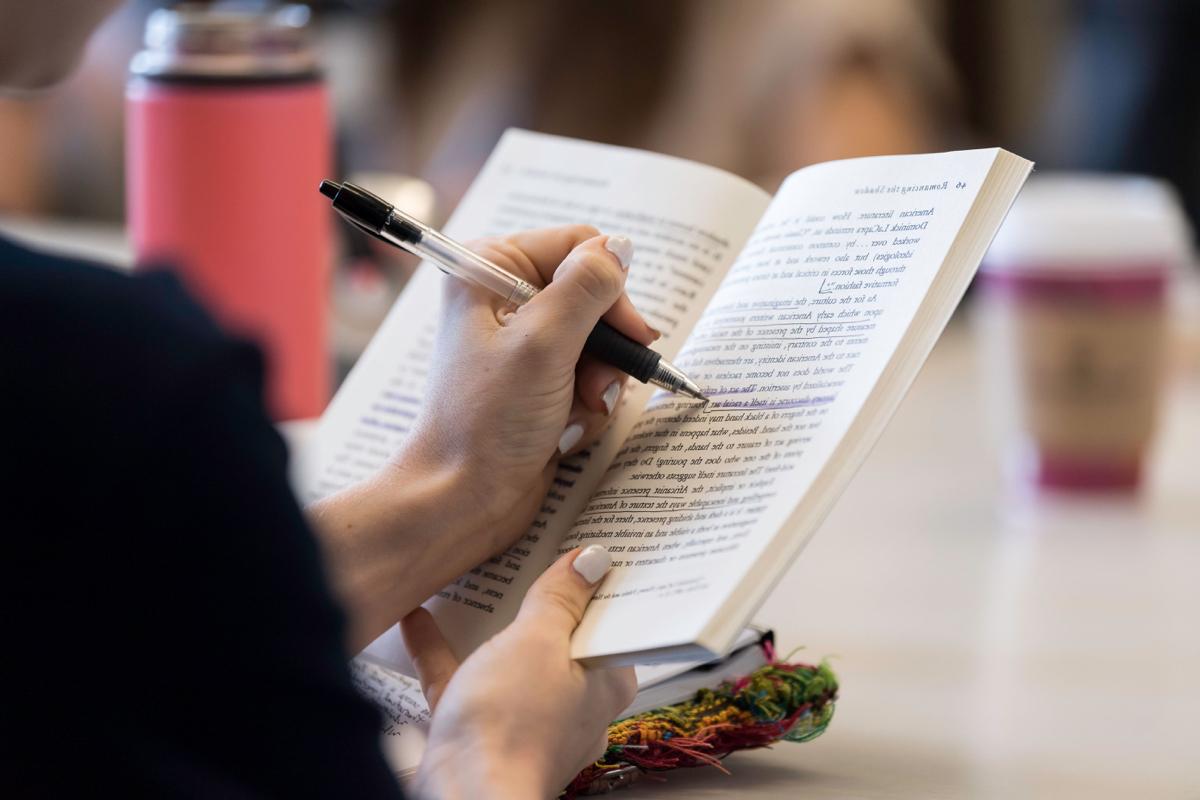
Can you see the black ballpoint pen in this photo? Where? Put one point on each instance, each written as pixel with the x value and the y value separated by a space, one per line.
pixel 376 216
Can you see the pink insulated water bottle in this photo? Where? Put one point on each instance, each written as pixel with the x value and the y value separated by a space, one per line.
pixel 227 139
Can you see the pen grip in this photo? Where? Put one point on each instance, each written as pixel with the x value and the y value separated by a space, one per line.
pixel 613 347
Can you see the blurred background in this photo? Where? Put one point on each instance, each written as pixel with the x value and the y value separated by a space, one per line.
pixel 421 91
pixel 425 89
pixel 989 646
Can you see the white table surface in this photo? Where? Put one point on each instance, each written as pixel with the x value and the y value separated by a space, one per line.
pixel 987 647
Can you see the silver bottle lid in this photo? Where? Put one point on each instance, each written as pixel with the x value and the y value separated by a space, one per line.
pixel 227 42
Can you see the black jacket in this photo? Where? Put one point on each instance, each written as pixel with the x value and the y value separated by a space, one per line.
pixel 168 629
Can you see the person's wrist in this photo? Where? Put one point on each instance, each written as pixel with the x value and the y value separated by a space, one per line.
pixel 470 771
pixel 442 487
pixel 391 542
pixel 486 504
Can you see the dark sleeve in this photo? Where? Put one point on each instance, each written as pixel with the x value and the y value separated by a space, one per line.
pixel 176 631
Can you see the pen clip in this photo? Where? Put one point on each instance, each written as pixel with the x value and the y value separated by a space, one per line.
pixel 364 228
pixel 371 232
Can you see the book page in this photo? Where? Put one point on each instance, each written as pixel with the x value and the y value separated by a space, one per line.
pixel 687 222
pixel 790 347
pixel 405 713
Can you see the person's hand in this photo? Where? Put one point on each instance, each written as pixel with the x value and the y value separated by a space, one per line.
pixel 518 718
pixel 511 393
pixel 508 395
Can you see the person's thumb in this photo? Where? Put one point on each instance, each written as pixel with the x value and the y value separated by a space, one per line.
pixel 587 284
pixel 557 598
pixel 430 653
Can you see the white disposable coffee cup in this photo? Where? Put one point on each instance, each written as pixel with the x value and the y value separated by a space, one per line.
pixel 1073 305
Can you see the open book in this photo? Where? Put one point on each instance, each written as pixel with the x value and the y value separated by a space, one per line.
pixel 804 317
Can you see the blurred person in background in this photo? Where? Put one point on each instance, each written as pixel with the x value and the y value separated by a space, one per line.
pixel 1091 85
pixel 427 88
pixel 758 90
pixel 1122 98
pixel 48 169
pixel 179 627
pixel 1102 86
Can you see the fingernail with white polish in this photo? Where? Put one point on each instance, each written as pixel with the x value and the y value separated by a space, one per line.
pixel 570 437
pixel 610 396
pixel 593 563
pixel 622 248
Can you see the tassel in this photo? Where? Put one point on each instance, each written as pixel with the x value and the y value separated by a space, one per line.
pixel 777 702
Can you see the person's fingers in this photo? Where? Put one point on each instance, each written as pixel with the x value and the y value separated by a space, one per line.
pixel 537 255
pixel 627 319
pixel 622 315
pixel 582 430
pixel 531 255
pixel 614 688
pixel 586 285
pixel 589 416
pixel 597 750
pixel 599 386
pixel 558 597
pixel 435 662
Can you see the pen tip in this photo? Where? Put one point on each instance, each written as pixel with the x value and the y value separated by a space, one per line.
pixel 693 391
pixel 329 189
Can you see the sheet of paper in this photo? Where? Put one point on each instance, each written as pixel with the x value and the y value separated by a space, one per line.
pixel 405 713
pixel 687 222
pixel 789 348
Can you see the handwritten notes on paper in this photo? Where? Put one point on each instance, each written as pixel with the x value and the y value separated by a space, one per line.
pixel 405 713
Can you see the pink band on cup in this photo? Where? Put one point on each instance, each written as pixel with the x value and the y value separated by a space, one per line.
pixel 1067 473
pixel 1146 284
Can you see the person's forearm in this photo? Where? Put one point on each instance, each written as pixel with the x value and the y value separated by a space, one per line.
pixel 477 770
pixel 392 542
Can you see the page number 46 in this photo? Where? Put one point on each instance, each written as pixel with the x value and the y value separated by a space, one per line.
pixel 960 185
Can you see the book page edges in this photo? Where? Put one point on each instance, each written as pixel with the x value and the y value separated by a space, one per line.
pixel 684 651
